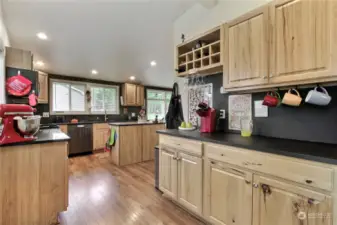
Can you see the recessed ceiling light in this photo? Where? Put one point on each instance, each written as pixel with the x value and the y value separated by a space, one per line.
pixel 39 63
pixel 132 78
pixel 94 72
pixel 153 63
pixel 42 36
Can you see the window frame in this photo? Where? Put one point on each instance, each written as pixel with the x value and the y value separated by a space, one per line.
pixel 117 99
pixel 166 101
pixel 87 105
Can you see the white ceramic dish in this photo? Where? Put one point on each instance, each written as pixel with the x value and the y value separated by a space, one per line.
pixel 187 129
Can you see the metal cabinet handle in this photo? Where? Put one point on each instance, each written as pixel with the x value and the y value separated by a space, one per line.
pixel 175 158
pixel 255 185
pixel 248 181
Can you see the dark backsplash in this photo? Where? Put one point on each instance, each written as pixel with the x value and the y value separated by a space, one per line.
pixel 306 123
pixel 121 117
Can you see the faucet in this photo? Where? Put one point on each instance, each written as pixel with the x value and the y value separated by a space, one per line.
pixel 105 116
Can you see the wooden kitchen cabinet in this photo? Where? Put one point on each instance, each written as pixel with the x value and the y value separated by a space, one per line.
pixel 168 172
pixel 130 144
pixel 228 194
pixel 276 202
pixel 133 95
pixel 246 49
pixel 303 40
pixel 150 140
pixel 140 95
pixel 42 87
pixel 18 58
pixel 190 182
pixel 100 135
pixel 64 128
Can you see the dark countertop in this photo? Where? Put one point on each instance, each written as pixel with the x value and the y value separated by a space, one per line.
pixel 320 152
pixel 45 136
pixel 133 123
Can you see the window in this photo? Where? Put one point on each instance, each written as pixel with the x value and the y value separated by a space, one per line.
pixel 157 103
pixel 69 97
pixel 104 99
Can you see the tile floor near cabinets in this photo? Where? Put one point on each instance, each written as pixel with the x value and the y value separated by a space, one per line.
pixel 103 194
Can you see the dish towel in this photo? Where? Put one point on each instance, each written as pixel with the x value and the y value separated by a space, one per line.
pixel 112 139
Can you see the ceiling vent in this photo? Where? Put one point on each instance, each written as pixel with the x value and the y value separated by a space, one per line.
pixel 208 3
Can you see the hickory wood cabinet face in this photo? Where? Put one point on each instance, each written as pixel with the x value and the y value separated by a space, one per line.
pixel 303 43
pixel 140 95
pixel 190 182
pixel 168 173
pixel 180 178
pixel 150 140
pixel 228 194
pixel 278 203
pixel 246 49
pixel 100 135
pixel 43 87
pixel 130 94
pixel 133 95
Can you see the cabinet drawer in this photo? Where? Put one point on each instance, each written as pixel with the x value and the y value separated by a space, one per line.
pixel 300 171
pixel 194 147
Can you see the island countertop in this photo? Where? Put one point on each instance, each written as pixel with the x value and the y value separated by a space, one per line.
pixel 45 136
pixel 320 152
pixel 133 123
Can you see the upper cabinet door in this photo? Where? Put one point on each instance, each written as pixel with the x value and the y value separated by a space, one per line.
pixel 278 203
pixel 303 40
pixel 140 95
pixel 246 49
pixel 130 93
pixel 43 87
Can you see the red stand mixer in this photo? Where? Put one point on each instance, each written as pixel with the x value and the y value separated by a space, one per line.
pixel 18 123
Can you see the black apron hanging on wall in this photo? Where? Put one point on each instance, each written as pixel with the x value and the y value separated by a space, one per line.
pixel 174 116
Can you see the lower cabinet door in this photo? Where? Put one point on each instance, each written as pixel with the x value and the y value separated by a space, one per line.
pixel 280 203
pixel 190 182
pixel 228 194
pixel 168 174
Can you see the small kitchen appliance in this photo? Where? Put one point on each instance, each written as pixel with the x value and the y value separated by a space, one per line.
pixel 207 117
pixel 18 123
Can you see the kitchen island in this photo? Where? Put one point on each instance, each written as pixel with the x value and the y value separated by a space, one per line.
pixel 34 179
pixel 135 141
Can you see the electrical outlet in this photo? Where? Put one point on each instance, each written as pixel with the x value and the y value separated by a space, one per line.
pixel 45 114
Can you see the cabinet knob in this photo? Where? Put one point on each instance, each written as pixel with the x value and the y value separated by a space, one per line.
pixel 308 181
pixel 255 185
pixel 175 158
pixel 248 181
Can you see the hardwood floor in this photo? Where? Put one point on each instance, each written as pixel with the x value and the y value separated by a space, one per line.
pixel 103 194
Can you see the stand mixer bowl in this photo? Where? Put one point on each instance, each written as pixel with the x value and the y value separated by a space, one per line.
pixel 29 125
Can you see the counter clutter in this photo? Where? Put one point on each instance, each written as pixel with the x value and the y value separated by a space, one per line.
pixel 266 179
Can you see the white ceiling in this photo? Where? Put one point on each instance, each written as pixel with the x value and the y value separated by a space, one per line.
pixel 119 38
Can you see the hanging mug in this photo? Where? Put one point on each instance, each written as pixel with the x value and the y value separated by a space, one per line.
pixel 272 99
pixel 316 97
pixel 292 98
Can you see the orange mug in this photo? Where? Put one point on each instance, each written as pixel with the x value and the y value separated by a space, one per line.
pixel 292 98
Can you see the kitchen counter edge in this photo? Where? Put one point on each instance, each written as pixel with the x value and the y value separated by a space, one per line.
pixel 312 151
pixel 44 136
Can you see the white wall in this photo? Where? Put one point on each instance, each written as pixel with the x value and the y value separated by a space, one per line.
pixel 199 19
pixel 5 41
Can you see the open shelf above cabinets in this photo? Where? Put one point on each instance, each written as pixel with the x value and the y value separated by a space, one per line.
pixel 203 54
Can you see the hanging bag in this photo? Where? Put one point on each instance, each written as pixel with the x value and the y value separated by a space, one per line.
pixel 174 116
